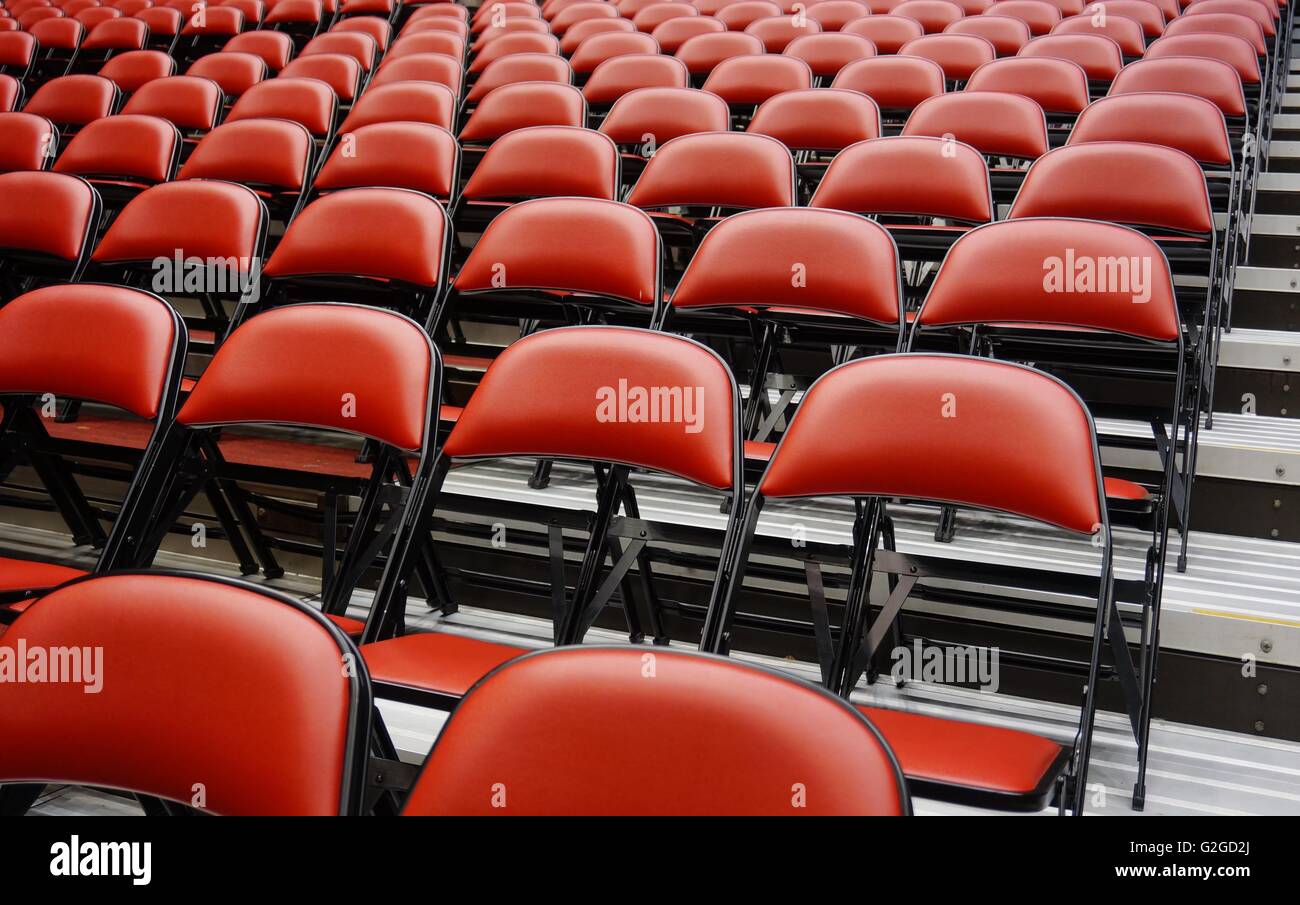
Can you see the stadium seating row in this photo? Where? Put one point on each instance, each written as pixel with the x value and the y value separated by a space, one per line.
pixel 376 357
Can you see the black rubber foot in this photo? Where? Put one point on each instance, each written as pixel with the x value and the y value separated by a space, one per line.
pixel 1139 798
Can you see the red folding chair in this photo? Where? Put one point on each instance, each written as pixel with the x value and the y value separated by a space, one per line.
pixel 718 717
pixel 310 718
pixel 876 430
pixel 64 345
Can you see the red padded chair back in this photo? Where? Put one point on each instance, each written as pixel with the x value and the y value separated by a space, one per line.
pixel 1125 32
pixel 48 213
pixel 377 28
pixel 274 47
pixel 893 82
pixel 888 33
pixel 1231 49
pixel 379 233
pixel 599 48
pixel 665 114
pixel 11 93
pixel 438 42
pixel 365 371
pixel 134 68
pixel 1145 13
pixel 702 52
pixel 1213 80
pixel 1189 123
pixel 1040 16
pixel 26 141
pixel 521 67
pixel 913 176
pixel 419 102
pixel 607 394
pixel 618 257
pixel 776 32
pixel 1072 273
pixel 749 81
pixel 108 344
pixel 934 15
pixel 361 47
pixel 818 119
pixel 58 34
pixel 117 34
pixel 403 155
pixel 520 42
pixel 725 169
pixel 288 737
pixel 275 153
pixel 340 71
pixel 161 21
pixel 217 21
pixel 1078 181
pixel 651 17
pixel 523 104
pixel 186 101
pixel 580 12
pixel 581 31
pixel 846 264
pixel 310 102
pixel 1058 86
pixel 1099 55
pixel 946 428
pixel 1224 24
pixel 673 33
pixel 74 99
pixel 991 122
pixel 1005 33
pixel 547 161
pixel 1256 12
pixel 957 55
pixel 510 26
pixel 138 147
pixel 826 54
pixel 558 732
pixel 211 220
pixel 833 15
pixel 621 75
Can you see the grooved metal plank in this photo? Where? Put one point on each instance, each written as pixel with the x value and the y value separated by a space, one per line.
pixel 1275 225
pixel 1240 448
pixel 1263 350
pixel 1267 279
pixel 1233 585
pixel 1280 182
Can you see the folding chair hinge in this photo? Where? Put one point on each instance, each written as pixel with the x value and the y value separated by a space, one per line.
pixel 391 775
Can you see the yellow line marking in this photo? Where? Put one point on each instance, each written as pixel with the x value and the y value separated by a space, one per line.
pixel 1287 622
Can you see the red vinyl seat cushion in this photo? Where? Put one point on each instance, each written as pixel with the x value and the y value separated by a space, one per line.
pixel 969 755
pixel 435 661
pixel 351 627
pixel 22 574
